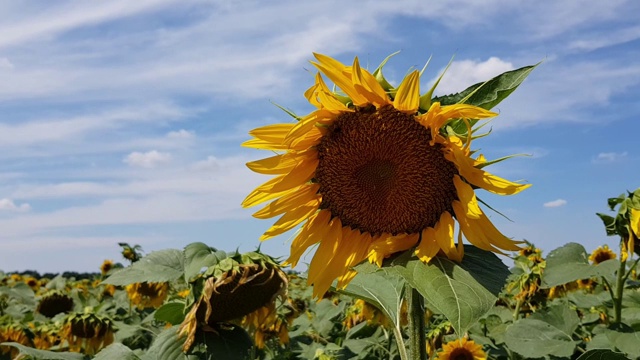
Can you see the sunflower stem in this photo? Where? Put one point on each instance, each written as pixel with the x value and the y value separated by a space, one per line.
pixel 617 299
pixel 417 333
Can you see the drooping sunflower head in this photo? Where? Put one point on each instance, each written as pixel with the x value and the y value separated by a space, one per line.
pixel 106 266
pixel 87 332
pixel 46 336
pixel 54 303
pixel 601 254
pixel 374 170
pixel 147 294
pixel 241 286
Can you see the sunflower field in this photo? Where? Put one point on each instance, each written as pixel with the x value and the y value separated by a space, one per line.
pixel 381 188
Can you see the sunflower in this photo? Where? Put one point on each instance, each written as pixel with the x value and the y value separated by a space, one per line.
pixel 106 266
pixel 241 290
pixel 13 333
pixel 373 173
pixel 147 294
pixel 601 254
pixel 265 323
pixel 88 332
pixel 462 349
pixel 54 303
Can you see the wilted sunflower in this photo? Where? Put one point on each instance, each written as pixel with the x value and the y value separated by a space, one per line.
pixel 88 332
pixel 147 294
pixel 244 288
pixel 265 323
pixel 54 303
pixel 601 254
pixel 373 173
pixel 462 349
pixel 45 336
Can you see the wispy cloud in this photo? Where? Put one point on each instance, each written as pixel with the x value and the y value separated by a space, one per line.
pixel 555 203
pixel 149 159
pixel 609 157
pixel 10 205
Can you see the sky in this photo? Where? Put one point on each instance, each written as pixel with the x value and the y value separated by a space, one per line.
pixel 122 121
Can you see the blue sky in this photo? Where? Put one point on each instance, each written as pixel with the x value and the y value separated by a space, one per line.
pixel 121 121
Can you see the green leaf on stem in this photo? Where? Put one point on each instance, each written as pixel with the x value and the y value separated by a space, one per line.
pixel 158 266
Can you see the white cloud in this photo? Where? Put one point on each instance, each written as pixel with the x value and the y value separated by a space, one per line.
pixel 555 203
pixel 609 157
pixel 149 159
pixel 210 164
pixel 181 134
pixel 462 74
pixel 10 205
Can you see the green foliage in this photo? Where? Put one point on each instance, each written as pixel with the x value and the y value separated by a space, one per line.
pixel 158 266
pixel 43 354
pixel 570 263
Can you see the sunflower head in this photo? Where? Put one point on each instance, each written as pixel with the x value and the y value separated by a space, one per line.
pixel 46 336
pixel 33 283
pixel 375 170
pixel 232 289
pixel 147 294
pixel 462 349
pixel 106 266
pixel 54 303
pixel 14 333
pixel 601 254
pixel 87 332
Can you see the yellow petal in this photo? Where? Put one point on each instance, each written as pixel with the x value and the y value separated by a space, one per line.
pixel 263 193
pixel 444 232
pixel 326 250
pixel 366 84
pixel 408 95
pixel 333 69
pixel 292 200
pixel 309 139
pixel 635 221
pixel 275 165
pixel 307 124
pixel 467 197
pixel 478 177
pixel 300 174
pixel 273 132
pixel 264 145
pixel 311 93
pixel 311 233
pixel 291 219
pixel 482 231
pixel 428 248
pixel 388 244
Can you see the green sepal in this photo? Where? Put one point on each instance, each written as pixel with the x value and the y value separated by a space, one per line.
pixel 378 73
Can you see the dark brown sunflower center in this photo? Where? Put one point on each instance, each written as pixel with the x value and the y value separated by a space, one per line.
pixel 378 173
pixel 603 256
pixel 461 354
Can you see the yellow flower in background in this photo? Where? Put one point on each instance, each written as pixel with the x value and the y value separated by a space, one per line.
pixel 372 174
pixel 601 254
pixel 265 323
pixel 147 294
pixel 106 266
pixel 33 283
pixel 462 349
pixel 13 333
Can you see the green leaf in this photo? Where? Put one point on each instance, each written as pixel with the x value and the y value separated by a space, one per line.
pixel 116 351
pixel 609 224
pixel 533 338
pixel 379 287
pixel 560 316
pixel 232 343
pixel 158 266
pixel 602 354
pixel 167 346
pixel 198 256
pixel 570 263
pixel 476 261
pixel 171 312
pixel 326 311
pixel 447 288
pixel 43 354
pixel 626 342
pixel 490 93
pixel 20 292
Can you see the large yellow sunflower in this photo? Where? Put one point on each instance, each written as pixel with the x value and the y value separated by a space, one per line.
pixel 462 349
pixel 371 174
